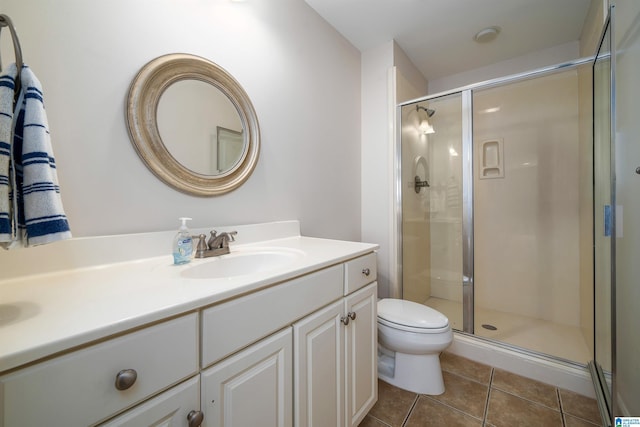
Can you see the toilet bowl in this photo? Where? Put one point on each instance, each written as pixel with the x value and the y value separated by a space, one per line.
pixel 410 339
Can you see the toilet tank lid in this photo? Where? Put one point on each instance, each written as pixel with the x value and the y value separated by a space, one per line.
pixel 411 313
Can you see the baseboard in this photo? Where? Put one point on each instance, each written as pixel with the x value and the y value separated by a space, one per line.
pixel 569 376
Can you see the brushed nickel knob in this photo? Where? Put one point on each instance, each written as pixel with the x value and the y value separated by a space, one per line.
pixel 126 378
pixel 352 315
pixel 195 418
pixel 366 272
pixel 345 320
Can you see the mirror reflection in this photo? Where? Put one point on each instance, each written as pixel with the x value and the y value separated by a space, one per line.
pixel 193 125
pixel 209 140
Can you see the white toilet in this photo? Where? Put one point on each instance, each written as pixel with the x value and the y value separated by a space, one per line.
pixel 410 339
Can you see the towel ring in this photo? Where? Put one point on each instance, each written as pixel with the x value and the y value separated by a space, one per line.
pixel 5 21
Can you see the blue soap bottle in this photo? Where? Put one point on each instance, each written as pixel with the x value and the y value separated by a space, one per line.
pixel 182 244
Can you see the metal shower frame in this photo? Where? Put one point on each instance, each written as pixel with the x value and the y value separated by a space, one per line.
pixel 467 178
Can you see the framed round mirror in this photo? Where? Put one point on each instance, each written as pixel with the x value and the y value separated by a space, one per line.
pixel 193 125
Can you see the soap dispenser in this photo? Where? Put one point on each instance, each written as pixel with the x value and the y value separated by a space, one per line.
pixel 182 244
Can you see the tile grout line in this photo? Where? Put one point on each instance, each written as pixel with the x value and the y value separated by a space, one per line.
pixel 453 408
pixel 377 419
pixel 564 421
pixel 486 404
pixel 457 374
pixel 559 409
pixel 570 414
pixel 406 418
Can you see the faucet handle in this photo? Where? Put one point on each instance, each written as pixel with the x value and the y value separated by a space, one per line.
pixel 202 244
pixel 226 237
pixel 210 242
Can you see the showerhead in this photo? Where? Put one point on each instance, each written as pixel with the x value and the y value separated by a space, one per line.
pixel 429 111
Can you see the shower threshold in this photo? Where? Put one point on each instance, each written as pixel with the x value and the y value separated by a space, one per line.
pixel 541 336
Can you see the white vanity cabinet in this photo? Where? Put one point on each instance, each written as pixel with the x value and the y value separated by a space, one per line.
pixel 319 369
pixel 92 384
pixel 298 352
pixel 335 355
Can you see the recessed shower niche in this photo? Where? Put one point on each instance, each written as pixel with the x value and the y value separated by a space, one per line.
pixel 491 159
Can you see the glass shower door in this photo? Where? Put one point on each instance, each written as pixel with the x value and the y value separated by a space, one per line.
pixel 432 202
pixel 602 202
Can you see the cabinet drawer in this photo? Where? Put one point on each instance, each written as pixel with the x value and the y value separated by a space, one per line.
pixel 170 408
pixel 359 272
pixel 79 389
pixel 233 325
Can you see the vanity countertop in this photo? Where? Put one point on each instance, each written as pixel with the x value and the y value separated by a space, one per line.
pixel 50 312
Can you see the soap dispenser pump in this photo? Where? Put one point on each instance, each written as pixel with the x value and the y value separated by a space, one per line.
pixel 182 244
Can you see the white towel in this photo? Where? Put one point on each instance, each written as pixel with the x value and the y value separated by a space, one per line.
pixel 7 90
pixel 41 218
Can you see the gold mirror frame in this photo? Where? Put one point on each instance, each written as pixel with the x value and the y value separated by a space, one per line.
pixel 142 104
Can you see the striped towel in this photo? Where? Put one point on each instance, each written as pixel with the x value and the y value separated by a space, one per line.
pixel 7 86
pixel 40 215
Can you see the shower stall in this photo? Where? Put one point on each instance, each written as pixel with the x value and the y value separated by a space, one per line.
pixel 497 209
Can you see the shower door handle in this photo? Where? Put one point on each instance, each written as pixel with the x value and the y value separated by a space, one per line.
pixel 418 184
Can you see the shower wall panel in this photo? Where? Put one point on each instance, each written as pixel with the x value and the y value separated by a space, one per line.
pixel 526 223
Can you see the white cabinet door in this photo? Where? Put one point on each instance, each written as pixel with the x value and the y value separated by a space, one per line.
pixel 252 387
pixel 176 407
pixel 319 368
pixel 361 353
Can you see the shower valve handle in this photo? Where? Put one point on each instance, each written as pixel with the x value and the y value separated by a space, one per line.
pixel 419 184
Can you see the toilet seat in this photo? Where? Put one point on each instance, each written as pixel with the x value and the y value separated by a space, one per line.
pixel 411 317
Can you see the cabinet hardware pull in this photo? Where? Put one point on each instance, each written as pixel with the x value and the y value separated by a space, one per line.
pixel 126 378
pixel 366 271
pixel 352 315
pixel 195 418
pixel 345 320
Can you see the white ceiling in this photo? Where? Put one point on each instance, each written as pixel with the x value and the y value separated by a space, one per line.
pixel 437 35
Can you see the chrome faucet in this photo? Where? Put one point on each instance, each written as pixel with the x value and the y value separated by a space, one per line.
pixel 218 244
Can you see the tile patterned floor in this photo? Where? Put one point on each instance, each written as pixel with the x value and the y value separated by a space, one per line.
pixel 479 395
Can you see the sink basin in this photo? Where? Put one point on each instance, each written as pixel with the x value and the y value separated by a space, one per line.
pixel 239 264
